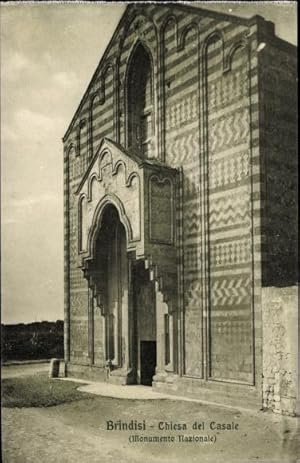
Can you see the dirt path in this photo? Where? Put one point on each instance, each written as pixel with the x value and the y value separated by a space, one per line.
pixel 76 432
pixel 31 435
pixel 70 434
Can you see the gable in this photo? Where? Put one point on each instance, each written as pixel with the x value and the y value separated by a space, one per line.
pixel 148 24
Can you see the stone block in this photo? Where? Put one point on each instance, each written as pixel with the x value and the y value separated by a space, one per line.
pixel 62 369
pixel 266 387
pixel 277 389
pixel 54 368
pixel 288 405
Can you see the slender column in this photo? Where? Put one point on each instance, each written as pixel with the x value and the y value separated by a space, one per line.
pixel 124 271
pixel 170 366
pixel 91 325
pixel 160 333
pixel 130 314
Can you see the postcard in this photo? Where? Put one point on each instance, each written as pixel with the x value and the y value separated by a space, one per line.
pixel 149 232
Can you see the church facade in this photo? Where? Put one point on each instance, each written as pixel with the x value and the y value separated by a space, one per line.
pixel 180 210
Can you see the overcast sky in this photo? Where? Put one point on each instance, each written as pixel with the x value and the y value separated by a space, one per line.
pixel 48 55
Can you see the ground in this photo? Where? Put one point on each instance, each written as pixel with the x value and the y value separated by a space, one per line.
pixel 76 431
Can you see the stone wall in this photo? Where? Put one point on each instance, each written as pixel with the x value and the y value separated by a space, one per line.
pixel 225 116
pixel 278 160
pixel 280 349
pixel 278 135
pixel 175 39
pixel 229 215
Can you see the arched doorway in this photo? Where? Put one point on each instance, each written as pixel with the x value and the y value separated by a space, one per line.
pixel 112 265
pixel 128 304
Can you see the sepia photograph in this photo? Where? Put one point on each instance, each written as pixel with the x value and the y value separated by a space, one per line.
pixel 149 232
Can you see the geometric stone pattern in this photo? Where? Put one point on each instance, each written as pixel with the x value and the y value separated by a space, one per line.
pixel 225 92
pixel 184 144
pixel 230 249
pixel 231 209
pixel 229 130
pixel 229 169
pixel 237 251
pixel 227 230
pixel 182 149
pixel 231 291
pixel 182 111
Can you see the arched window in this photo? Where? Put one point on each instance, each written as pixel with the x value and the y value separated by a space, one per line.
pixel 140 103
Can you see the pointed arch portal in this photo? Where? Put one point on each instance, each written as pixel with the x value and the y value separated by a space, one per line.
pixel 127 252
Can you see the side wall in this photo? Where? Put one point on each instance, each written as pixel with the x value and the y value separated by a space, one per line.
pixel 280 359
pixel 278 132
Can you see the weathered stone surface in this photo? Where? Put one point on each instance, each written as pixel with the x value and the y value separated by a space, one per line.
pixel 280 338
pixel 190 134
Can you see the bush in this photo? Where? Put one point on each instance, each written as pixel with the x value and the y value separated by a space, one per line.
pixel 33 341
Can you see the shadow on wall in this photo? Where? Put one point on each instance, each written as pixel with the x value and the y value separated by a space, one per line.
pixel 280 166
pixel 32 341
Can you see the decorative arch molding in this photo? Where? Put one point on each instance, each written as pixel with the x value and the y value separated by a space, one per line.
pixel 111 173
pixel 169 18
pixel 208 40
pixel 94 178
pixel 108 67
pixel 131 177
pixel 137 20
pixel 82 127
pixel 93 99
pixel 181 39
pixel 72 148
pixel 105 158
pixel 132 16
pixel 228 59
pixel 166 21
pixel 136 43
pixel 99 97
pixel 150 52
pixel 109 199
pixel 118 167
pixel 81 201
pixel 129 184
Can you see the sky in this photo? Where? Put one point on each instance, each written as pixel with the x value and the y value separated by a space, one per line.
pixel 49 52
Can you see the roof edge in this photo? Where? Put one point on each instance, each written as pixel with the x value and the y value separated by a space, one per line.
pixel 269 28
pixel 94 74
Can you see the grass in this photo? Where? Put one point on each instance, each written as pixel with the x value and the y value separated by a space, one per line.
pixel 39 391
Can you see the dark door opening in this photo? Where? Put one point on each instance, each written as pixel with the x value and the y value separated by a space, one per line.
pixel 148 362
